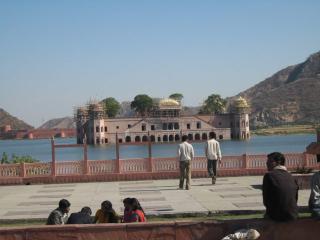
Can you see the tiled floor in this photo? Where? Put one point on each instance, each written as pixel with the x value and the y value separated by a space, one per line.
pixel 156 197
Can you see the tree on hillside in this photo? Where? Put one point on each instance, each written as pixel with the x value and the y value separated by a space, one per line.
pixel 176 96
pixel 213 104
pixel 142 104
pixel 111 106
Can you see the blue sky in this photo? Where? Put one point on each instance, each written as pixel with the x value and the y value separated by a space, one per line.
pixel 55 55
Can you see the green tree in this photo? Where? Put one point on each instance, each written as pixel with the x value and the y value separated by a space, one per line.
pixel 176 96
pixel 213 104
pixel 142 104
pixel 111 106
pixel 17 159
pixel 22 159
pixel 4 158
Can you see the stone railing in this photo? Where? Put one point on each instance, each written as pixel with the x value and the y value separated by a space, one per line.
pixel 190 230
pixel 151 168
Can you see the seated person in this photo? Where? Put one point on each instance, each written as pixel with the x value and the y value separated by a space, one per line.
pixel 59 215
pixel 314 200
pixel 135 213
pixel 82 217
pixel 106 214
pixel 126 211
pixel 280 190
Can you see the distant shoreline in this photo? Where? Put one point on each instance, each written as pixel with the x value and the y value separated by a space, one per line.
pixel 285 130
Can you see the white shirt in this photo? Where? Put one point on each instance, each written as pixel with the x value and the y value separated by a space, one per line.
pixel 185 151
pixel 212 150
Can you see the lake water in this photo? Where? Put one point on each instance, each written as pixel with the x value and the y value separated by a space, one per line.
pixel 41 149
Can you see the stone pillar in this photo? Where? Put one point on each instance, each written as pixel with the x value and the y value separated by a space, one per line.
pixel 305 160
pixel 85 157
pixel 118 168
pixel 245 161
pixel 53 162
pixel 150 154
pixel 22 170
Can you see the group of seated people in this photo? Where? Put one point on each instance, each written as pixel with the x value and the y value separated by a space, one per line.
pixel 133 212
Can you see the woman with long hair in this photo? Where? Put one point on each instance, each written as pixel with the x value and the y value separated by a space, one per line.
pixel 106 214
pixel 135 213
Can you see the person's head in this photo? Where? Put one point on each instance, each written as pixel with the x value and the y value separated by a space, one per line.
pixel 134 204
pixel 213 135
pixel 126 202
pixel 106 206
pixel 184 138
pixel 86 210
pixel 64 205
pixel 275 159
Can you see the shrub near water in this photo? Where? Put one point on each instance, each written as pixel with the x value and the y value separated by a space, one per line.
pixel 17 159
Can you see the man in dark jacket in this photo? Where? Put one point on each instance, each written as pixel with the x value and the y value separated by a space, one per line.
pixel 280 190
pixel 82 217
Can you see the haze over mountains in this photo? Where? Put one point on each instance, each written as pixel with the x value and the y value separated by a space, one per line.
pixel 289 96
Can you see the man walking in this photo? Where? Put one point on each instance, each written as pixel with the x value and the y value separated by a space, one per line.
pixel 280 190
pixel 213 154
pixel 186 155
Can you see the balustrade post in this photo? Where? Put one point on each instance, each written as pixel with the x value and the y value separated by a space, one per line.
pixel 245 161
pixel 85 157
pixel 305 159
pixel 118 170
pixel 53 162
pixel 150 154
pixel 22 170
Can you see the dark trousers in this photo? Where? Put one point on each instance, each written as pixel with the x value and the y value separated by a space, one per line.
pixel 212 168
pixel 185 173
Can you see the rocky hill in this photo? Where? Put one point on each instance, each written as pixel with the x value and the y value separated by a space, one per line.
pixel 15 123
pixel 65 122
pixel 289 96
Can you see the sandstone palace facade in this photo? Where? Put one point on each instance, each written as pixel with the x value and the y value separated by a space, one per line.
pixel 165 123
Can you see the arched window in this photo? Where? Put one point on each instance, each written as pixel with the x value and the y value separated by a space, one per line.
pixel 204 136
pixel 128 139
pixel 152 138
pixel 145 138
pixel 171 138
pixel 197 136
pixel 220 137
pixel 190 136
pixel 177 137
pixel 137 139
pixel 164 126
pixel 165 138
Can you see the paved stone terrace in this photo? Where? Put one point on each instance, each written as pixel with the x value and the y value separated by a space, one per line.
pixel 156 196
